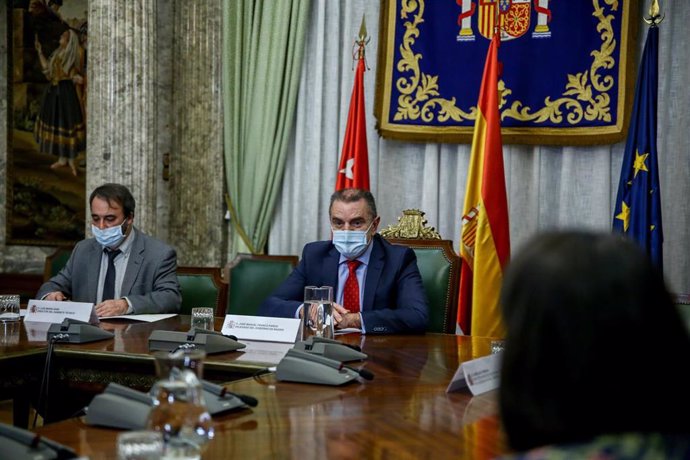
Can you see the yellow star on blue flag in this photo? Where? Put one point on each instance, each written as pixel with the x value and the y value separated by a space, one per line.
pixel 639 163
pixel 624 216
pixel 638 204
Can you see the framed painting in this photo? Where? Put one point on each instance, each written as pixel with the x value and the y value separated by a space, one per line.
pixel 46 162
pixel 567 68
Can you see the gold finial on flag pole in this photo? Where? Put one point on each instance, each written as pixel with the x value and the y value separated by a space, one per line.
pixel 361 41
pixel 655 18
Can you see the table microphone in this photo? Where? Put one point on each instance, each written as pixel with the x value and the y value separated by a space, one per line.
pixel 221 391
pixel 315 339
pixel 328 362
pixel 197 330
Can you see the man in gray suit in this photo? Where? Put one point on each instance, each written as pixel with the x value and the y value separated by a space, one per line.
pixel 121 270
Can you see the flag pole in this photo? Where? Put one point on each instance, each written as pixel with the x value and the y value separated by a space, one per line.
pixel 654 18
pixel 353 168
pixel 637 212
pixel 360 43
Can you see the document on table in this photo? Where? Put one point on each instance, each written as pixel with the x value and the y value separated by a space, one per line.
pixel 147 318
pixel 263 352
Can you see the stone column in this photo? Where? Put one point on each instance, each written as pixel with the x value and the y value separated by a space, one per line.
pixel 121 102
pixel 197 227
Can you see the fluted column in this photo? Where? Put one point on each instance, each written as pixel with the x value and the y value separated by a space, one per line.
pixel 197 227
pixel 121 102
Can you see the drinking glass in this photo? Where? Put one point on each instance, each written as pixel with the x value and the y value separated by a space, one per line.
pixel 140 445
pixel 317 313
pixel 202 318
pixel 9 333
pixel 9 307
pixel 179 411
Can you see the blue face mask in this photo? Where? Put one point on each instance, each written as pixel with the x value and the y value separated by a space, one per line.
pixel 351 243
pixel 110 237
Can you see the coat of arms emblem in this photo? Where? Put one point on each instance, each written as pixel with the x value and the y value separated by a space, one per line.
pixel 512 17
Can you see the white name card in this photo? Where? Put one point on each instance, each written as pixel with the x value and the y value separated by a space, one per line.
pixel 53 311
pixel 36 332
pixel 263 328
pixel 479 375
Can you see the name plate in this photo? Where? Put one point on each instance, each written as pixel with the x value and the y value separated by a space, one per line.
pixel 479 375
pixel 262 328
pixel 54 311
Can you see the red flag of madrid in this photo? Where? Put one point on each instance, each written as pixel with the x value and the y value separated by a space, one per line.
pixel 353 171
pixel 485 238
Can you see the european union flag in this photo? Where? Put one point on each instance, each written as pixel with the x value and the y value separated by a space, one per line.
pixel 638 205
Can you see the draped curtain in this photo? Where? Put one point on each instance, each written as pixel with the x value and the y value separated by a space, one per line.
pixel 548 187
pixel 263 43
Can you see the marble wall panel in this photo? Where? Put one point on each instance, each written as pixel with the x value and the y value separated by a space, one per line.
pixel 196 218
pixel 123 131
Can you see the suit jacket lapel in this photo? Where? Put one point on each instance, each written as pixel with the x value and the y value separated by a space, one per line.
pixel 376 262
pixel 92 268
pixel 330 275
pixel 136 258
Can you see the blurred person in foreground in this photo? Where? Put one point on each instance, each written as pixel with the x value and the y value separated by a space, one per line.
pixel 596 354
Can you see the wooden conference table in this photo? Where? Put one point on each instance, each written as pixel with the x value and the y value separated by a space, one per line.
pixel 403 413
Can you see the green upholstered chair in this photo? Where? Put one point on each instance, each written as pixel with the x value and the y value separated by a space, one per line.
pixel 682 302
pixel 202 287
pixel 251 278
pixel 55 262
pixel 438 264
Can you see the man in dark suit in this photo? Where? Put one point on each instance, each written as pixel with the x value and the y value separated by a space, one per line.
pixel 377 285
pixel 121 270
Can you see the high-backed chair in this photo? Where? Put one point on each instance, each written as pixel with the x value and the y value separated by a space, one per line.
pixel 251 278
pixel 202 287
pixel 682 302
pixel 438 264
pixel 55 262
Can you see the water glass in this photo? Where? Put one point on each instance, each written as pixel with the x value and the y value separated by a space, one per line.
pixel 140 445
pixel 202 318
pixel 9 307
pixel 9 333
pixel 179 411
pixel 317 313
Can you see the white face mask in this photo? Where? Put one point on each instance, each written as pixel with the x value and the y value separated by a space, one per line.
pixel 351 243
pixel 110 237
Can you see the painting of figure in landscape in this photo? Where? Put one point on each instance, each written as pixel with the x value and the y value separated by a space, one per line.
pixel 47 145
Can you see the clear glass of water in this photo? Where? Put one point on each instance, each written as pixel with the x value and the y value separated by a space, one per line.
pixel 9 307
pixel 202 318
pixel 179 410
pixel 140 445
pixel 317 314
pixel 9 333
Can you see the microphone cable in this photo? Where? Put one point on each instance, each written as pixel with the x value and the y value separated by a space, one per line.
pixel 42 403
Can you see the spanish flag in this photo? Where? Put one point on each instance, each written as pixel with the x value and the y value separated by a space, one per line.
pixel 485 237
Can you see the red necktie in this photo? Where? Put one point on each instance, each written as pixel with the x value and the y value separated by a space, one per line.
pixel 351 289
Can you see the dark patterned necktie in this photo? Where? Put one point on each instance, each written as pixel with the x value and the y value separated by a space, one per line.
pixel 351 289
pixel 109 284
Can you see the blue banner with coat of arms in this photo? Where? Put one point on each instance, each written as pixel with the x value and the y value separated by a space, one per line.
pixel 567 68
